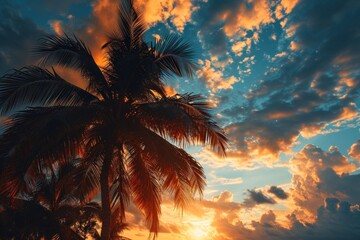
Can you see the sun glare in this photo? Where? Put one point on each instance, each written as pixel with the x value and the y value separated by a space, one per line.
pixel 199 230
pixel 199 233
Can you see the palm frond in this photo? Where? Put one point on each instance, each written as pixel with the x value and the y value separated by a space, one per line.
pixel 87 174
pixel 185 119
pixel 175 56
pixel 27 219
pixel 34 85
pixel 145 188
pixel 177 170
pixel 41 136
pixel 131 28
pixel 120 190
pixel 117 225
pixel 73 53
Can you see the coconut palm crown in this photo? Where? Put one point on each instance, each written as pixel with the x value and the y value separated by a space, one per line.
pixel 123 126
pixel 48 209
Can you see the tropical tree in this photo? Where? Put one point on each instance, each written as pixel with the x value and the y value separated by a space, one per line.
pixel 125 128
pixel 47 208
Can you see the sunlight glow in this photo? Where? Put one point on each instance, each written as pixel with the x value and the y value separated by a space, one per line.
pixel 198 233
pixel 199 230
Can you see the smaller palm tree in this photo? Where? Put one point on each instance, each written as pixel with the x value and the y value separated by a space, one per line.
pixel 47 208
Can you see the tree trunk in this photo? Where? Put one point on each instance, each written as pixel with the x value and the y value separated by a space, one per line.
pixel 105 196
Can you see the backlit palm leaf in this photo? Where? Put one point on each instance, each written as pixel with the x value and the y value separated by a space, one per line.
pixel 145 188
pixel 52 134
pixel 73 53
pixel 184 119
pixel 120 189
pixel 175 56
pixel 131 27
pixel 34 85
pixel 173 166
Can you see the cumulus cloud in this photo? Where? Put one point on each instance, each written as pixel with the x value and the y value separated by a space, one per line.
pixel 222 202
pixel 177 11
pixel 354 150
pixel 342 185
pixel 17 37
pixel 257 197
pixel 312 92
pixel 215 79
pixel 318 174
pixel 278 192
pixel 219 20
pixel 335 220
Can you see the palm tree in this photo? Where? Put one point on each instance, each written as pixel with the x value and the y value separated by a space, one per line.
pixel 124 127
pixel 47 208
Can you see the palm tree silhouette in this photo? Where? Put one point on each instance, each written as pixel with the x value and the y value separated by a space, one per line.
pixel 47 208
pixel 128 133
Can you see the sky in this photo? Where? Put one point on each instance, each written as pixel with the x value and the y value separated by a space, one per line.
pixel 283 77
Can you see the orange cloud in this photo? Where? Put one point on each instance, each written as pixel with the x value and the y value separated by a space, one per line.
pixel 294 46
pixel 354 151
pixel 289 5
pixel 279 115
pixel 245 18
pixel 170 91
pixel 57 27
pixel 239 47
pixel 279 55
pixel 177 11
pixel 214 79
pixel 307 168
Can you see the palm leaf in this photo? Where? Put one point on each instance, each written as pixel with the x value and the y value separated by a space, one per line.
pixel 175 56
pixel 131 28
pixel 120 190
pixel 87 175
pixel 41 136
pixel 34 85
pixel 73 53
pixel 184 119
pixel 145 188
pixel 176 168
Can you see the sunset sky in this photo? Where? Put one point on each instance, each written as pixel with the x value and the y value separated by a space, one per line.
pixel 284 79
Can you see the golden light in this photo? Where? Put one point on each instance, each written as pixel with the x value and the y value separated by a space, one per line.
pixel 198 233
pixel 199 230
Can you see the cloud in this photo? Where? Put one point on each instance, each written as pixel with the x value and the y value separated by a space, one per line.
pixel 335 220
pixel 225 196
pixel 215 180
pixel 57 27
pixel 222 202
pixel 232 18
pixel 279 55
pixel 284 8
pixel 257 197
pixel 318 174
pixel 312 92
pixel 278 192
pixel 354 150
pixel 17 37
pixel 344 185
pixel 177 11
pixel 214 79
